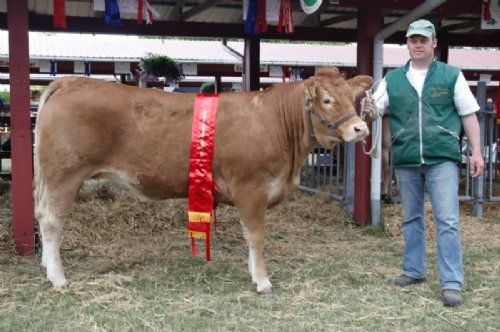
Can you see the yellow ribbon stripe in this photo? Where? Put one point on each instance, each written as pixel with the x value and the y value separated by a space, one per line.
pixel 197 235
pixel 199 216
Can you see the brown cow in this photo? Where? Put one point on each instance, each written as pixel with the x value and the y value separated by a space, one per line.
pixel 85 128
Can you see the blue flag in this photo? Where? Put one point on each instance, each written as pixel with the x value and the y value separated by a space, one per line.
pixel 112 13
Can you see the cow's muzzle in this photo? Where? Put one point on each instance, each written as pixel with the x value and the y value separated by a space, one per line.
pixel 361 130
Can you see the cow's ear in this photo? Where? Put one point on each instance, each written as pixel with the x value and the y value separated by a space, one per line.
pixel 327 72
pixel 310 89
pixel 360 84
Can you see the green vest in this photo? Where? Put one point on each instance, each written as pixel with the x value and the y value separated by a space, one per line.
pixel 424 130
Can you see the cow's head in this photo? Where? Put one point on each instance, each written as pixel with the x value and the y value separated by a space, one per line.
pixel 330 106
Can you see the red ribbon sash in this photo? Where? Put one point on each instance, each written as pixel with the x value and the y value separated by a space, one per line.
pixel 201 200
pixel 59 18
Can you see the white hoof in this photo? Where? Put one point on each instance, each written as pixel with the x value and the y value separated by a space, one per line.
pixel 59 284
pixel 264 287
pixel 57 279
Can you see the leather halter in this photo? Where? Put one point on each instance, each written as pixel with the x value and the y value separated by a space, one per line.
pixel 332 126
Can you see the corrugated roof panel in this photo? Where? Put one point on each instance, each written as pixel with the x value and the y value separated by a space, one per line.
pixel 67 46
pixel 218 15
pixel 41 7
pixel 164 11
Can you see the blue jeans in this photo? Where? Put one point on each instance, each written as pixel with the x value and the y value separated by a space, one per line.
pixel 442 184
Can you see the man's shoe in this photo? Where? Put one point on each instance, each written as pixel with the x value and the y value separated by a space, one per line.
pixel 451 298
pixel 404 280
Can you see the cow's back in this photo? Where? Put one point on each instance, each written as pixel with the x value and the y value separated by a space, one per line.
pixel 141 137
pixel 92 126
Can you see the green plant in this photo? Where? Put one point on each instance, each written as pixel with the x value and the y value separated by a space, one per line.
pixel 5 96
pixel 161 66
pixel 207 87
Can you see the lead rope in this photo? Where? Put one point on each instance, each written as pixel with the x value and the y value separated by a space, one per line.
pixel 377 127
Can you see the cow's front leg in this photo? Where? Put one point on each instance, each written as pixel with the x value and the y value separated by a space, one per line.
pixel 252 211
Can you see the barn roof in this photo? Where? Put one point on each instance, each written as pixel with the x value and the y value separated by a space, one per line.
pixel 79 47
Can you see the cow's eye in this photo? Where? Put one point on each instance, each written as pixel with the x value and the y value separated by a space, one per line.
pixel 327 101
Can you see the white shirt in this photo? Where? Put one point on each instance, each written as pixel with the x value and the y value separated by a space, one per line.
pixel 465 102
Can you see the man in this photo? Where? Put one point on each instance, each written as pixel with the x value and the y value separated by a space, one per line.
pixel 430 102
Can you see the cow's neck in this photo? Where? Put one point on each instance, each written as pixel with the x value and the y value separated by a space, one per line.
pixel 290 111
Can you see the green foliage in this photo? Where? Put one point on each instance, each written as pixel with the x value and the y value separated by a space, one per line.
pixel 5 96
pixel 161 66
pixel 208 87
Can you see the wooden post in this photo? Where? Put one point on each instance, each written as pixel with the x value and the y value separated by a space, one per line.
pixel 21 135
pixel 218 84
pixel 369 23
pixel 442 48
pixel 251 64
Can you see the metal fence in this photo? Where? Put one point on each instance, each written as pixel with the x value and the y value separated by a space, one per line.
pixel 324 171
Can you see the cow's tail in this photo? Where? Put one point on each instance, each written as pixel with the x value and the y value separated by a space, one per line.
pixel 40 187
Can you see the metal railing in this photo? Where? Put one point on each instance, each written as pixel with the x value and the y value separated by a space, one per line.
pixel 324 173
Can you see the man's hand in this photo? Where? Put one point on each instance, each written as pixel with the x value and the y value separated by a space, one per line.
pixel 476 164
pixel 368 108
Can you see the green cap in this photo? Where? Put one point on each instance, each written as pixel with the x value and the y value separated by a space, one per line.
pixel 421 27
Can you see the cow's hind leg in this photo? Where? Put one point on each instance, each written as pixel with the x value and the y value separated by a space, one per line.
pixel 52 205
pixel 252 210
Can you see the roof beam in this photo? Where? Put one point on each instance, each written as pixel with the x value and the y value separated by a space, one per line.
pixel 460 26
pixel 338 19
pixel 199 9
pixel 176 13
pixel 449 7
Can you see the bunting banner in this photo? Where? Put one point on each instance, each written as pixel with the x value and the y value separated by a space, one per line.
pixel 272 10
pixel 142 8
pixel 261 21
pixel 490 17
pixel 285 17
pixel 59 14
pixel 251 17
pixel 112 13
pixel 140 11
pixel 201 200
pixel 145 11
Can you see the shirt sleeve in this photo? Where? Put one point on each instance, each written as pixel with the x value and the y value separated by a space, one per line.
pixel 465 102
pixel 381 97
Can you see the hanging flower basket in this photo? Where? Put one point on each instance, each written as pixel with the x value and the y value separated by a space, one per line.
pixel 161 66
pixel 208 87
